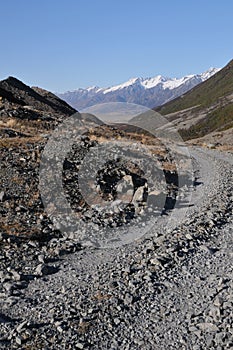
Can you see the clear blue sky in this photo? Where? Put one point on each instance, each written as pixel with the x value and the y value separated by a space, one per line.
pixel 61 45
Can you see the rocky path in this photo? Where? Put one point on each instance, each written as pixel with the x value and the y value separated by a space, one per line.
pixel 172 289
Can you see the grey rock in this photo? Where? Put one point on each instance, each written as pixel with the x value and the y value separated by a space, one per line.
pixel 2 195
pixel 139 195
pixel 117 321
pixel 41 258
pixel 43 269
pixel 16 275
pixel 18 340
pixel 207 326
pixel 21 326
pixel 8 286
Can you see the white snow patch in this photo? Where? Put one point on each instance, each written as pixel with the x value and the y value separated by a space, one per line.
pixel 121 86
pixel 150 83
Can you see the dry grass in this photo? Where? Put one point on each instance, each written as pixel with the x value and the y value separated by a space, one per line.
pixel 31 128
pixel 154 145
pixel 100 139
pixel 220 147
pixel 17 180
pixel 21 142
pixel 225 148
pixel 83 327
pixel 10 123
pixel 108 135
pixel 169 166
pixel 18 229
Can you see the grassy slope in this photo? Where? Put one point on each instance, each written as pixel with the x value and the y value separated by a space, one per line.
pixel 202 96
pixel 220 119
pixel 221 84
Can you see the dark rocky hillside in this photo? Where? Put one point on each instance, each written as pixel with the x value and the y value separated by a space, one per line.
pixel 26 111
pixel 17 92
pixel 27 117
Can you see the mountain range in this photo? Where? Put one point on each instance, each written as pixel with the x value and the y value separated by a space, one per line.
pixel 149 92
pixel 206 109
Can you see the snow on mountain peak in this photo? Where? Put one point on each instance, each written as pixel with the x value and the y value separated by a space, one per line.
pixel 164 82
pixel 92 88
pixel 150 83
pixel 128 83
pixel 150 92
pixel 146 83
pixel 207 74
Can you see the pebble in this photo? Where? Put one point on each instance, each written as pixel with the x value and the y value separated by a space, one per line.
pixel 21 326
pixel 18 340
pixel 207 326
pixel 2 195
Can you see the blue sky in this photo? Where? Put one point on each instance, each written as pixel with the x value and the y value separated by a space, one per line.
pixel 62 45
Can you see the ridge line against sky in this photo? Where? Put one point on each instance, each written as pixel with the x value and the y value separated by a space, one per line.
pixel 133 79
pixel 64 45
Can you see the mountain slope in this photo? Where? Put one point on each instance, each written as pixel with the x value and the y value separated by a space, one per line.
pixel 206 108
pixel 221 84
pixel 37 98
pixel 26 111
pixel 149 92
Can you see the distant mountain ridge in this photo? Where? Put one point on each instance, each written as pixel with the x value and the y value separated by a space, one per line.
pixel 149 92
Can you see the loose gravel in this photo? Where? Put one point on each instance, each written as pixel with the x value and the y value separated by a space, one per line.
pixel 170 289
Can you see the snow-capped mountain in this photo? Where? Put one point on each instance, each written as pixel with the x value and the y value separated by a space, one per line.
pixel 149 92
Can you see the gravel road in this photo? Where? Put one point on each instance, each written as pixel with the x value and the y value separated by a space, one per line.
pixel 171 289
